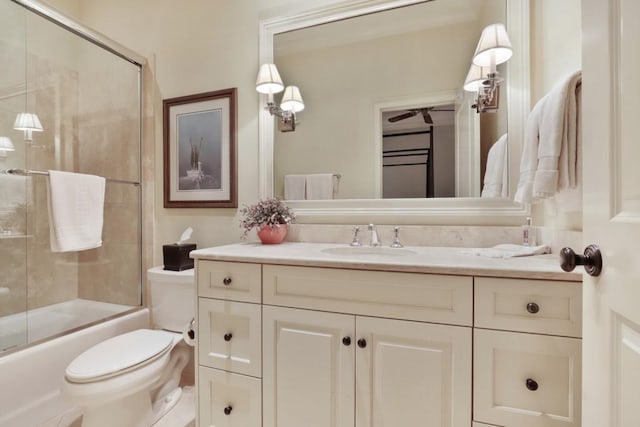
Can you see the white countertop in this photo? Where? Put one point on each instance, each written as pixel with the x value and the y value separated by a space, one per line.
pixel 439 260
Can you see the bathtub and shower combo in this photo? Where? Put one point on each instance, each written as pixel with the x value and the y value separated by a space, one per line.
pixel 70 100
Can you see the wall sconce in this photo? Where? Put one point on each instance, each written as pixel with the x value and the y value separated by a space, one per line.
pixel 494 48
pixel 29 123
pixel 269 82
pixel 6 145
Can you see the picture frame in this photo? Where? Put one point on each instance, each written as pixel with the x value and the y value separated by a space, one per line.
pixel 200 150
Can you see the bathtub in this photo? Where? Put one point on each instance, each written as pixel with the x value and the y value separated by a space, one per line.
pixel 34 325
pixel 29 391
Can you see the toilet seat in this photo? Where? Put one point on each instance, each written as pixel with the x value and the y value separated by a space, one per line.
pixel 120 354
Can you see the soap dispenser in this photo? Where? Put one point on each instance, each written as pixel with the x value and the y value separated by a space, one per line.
pixel 528 234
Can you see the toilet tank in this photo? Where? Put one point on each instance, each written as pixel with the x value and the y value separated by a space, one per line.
pixel 172 298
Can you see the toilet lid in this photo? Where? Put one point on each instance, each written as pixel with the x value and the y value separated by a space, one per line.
pixel 119 354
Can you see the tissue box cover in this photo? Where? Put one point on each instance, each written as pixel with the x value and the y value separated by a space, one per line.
pixel 176 256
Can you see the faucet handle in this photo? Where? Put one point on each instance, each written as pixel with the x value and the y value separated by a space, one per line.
pixel 396 240
pixel 375 240
pixel 356 239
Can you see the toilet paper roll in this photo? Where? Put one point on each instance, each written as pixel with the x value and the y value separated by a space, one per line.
pixel 189 333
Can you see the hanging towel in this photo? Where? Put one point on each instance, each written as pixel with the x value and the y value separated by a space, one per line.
pixel 76 207
pixel 320 186
pixel 558 148
pixel 294 187
pixel 508 250
pixel 497 172
pixel 529 158
pixel 552 142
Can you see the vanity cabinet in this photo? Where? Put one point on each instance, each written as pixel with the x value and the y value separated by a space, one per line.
pixel 527 353
pixel 411 372
pixel 327 369
pixel 290 346
pixel 229 344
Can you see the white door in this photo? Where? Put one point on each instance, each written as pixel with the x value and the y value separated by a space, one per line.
pixel 611 137
pixel 412 374
pixel 308 368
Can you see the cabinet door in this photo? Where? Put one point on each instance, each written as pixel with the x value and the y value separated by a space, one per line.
pixel 308 370
pixel 412 374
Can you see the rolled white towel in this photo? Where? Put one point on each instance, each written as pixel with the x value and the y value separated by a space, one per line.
pixel 508 250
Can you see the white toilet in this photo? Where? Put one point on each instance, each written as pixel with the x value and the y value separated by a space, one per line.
pixel 131 380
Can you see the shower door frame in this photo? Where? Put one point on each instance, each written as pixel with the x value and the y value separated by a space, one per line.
pixel 102 41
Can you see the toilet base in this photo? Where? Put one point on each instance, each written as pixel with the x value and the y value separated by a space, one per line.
pixel 133 411
pixel 163 406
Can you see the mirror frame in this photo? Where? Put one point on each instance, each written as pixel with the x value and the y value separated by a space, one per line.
pixel 444 211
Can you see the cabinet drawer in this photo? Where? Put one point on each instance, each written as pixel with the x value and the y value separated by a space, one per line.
pixel 539 306
pixel 228 400
pixel 236 281
pixel 230 336
pixel 411 296
pixel 526 380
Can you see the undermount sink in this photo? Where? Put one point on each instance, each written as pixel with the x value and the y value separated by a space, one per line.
pixel 368 250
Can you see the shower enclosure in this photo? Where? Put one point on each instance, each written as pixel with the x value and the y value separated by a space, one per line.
pixel 70 100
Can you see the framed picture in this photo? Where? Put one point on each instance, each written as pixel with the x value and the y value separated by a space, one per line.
pixel 200 166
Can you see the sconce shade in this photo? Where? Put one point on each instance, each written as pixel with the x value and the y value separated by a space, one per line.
pixel 269 80
pixel 494 46
pixel 475 77
pixel 28 122
pixel 292 100
pixel 6 144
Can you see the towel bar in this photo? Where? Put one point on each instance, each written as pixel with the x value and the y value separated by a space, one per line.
pixel 26 172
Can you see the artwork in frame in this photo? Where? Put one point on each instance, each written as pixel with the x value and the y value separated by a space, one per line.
pixel 200 166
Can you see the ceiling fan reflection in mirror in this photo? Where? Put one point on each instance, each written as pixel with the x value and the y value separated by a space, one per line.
pixel 426 114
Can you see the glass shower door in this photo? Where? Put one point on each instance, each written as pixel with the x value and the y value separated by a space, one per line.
pixel 83 102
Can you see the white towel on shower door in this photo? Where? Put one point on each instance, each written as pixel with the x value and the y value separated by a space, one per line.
pixel 76 211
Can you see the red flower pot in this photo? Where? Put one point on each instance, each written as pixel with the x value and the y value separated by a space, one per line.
pixel 272 235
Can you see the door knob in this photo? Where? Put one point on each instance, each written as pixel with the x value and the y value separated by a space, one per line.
pixel 346 341
pixel 592 260
pixel 362 343
pixel 227 337
pixel 228 409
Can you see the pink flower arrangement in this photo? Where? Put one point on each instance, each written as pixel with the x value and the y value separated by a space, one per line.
pixel 271 211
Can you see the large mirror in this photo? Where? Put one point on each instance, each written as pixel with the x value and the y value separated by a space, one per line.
pixel 357 68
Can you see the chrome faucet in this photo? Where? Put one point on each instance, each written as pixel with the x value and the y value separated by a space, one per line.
pixel 356 239
pixel 375 241
pixel 396 239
